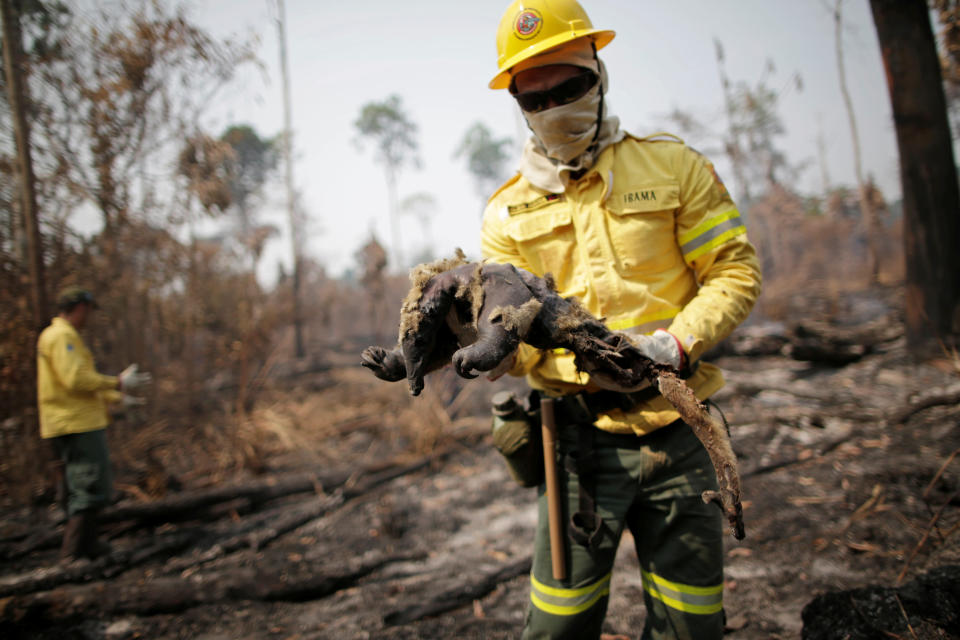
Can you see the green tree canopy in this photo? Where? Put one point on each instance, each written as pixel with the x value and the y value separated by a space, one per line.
pixel 486 156
pixel 393 133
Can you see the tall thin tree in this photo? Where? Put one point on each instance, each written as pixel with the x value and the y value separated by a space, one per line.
pixel 732 143
pixel 395 136
pixel 18 97
pixel 868 213
pixel 293 210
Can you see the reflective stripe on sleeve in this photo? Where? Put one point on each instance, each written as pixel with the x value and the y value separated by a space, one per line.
pixel 567 602
pixel 646 323
pixel 710 234
pixel 683 597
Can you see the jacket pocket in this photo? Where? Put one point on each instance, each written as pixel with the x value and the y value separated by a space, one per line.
pixel 545 239
pixel 642 227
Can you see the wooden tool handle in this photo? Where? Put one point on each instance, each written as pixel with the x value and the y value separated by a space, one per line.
pixel 554 509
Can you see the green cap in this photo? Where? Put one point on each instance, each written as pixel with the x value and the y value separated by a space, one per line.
pixel 75 295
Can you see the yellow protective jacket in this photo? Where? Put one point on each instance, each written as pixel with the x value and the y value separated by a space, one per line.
pixel 72 396
pixel 647 238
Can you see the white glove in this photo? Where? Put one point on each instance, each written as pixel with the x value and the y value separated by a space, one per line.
pixel 132 402
pixel 132 379
pixel 662 347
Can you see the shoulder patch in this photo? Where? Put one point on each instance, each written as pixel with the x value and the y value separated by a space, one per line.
pixel 542 201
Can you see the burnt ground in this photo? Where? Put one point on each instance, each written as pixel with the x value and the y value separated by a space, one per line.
pixel 839 494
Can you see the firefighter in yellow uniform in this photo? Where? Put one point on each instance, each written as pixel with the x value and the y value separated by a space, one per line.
pixel 72 399
pixel 644 233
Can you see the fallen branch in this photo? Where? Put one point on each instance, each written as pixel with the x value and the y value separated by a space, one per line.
pixel 292 518
pixel 824 449
pixel 294 582
pixel 923 539
pixel 259 536
pixel 195 505
pixel 255 533
pixel 459 596
pixel 185 506
pixel 112 564
pixel 943 467
pixel 934 398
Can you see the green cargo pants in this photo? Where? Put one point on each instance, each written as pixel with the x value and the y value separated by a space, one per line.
pixel 87 471
pixel 651 484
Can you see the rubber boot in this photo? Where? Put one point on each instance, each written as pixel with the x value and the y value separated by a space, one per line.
pixel 72 547
pixel 91 546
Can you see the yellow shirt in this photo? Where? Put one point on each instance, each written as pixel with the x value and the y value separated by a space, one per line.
pixel 648 238
pixel 72 396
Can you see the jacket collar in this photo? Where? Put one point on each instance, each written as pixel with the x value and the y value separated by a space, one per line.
pixel 64 325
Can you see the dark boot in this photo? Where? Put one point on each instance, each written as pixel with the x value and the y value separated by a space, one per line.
pixel 91 546
pixel 72 547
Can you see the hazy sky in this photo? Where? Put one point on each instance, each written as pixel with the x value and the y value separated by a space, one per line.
pixel 439 56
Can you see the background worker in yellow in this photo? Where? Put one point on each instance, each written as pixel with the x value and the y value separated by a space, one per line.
pixel 644 233
pixel 72 399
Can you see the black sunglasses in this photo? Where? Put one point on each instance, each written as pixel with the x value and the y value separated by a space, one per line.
pixel 564 93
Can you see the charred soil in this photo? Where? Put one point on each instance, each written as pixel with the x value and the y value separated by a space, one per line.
pixel 394 517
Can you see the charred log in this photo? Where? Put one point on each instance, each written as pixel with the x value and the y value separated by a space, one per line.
pixel 254 533
pixel 294 582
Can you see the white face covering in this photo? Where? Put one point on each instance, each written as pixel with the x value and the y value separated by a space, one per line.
pixel 566 131
pixel 563 138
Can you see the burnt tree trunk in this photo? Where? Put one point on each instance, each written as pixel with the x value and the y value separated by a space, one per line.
pixel 931 203
pixel 18 97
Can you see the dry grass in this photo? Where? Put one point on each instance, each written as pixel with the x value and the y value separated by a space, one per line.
pixel 819 254
pixel 351 418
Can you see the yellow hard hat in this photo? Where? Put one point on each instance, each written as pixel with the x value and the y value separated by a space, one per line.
pixel 531 27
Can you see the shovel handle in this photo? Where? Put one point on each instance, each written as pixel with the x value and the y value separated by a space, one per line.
pixel 554 510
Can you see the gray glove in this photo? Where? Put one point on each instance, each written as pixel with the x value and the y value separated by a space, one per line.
pixel 132 378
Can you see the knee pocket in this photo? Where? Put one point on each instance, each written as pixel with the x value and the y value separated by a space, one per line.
pixel 83 476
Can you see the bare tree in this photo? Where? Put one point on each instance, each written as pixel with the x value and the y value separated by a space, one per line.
pixel 295 214
pixel 871 219
pixel 394 134
pixel 750 140
pixel 372 260
pixel 732 144
pixel 928 171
